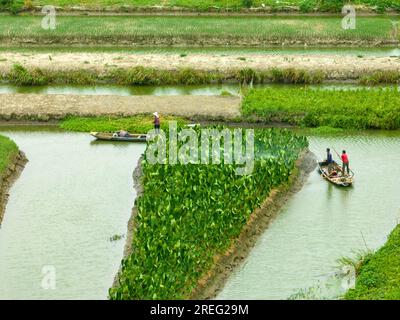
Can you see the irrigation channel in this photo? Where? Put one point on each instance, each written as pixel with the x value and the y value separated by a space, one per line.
pixel 71 198
pixel 166 90
pixel 73 195
pixel 323 223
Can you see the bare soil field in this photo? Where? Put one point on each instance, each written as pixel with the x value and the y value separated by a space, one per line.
pixel 49 107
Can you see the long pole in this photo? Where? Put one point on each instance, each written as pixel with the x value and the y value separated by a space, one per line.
pixel 340 158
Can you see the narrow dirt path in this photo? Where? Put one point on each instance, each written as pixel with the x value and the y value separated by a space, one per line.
pixel 46 107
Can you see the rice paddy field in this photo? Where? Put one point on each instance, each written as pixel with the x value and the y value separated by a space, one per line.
pixel 359 109
pixel 198 31
pixel 307 5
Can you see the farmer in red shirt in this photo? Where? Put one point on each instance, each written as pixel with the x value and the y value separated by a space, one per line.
pixel 345 162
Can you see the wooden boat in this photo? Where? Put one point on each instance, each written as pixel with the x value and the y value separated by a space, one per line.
pixel 336 176
pixel 109 136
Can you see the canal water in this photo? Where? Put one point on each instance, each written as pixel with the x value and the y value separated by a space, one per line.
pixel 166 90
pixel 74 194
pixel 322 223
pixel 71 198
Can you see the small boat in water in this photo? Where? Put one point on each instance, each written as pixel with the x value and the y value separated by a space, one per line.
pixel 109 136
pixel 336 175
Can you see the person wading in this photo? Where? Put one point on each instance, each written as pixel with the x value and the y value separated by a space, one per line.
pixel 345 162
pixel 156 122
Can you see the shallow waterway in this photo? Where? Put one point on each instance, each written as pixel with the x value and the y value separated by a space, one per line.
pixel 72 196
pixel 166 90
pixel 323 223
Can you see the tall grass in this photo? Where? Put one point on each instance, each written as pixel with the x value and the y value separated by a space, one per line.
pixel 140 75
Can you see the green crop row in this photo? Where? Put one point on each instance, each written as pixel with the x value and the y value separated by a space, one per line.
pixel 195 31
pixel 134 124
pixel 20 75
pixel 188 214
pixel 379 276
pixel 140 75
pixel 8 149
pixel 358 109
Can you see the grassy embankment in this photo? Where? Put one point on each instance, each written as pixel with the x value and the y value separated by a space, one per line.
pixel 137 124
pixel 142 76
pixel 196 31
pixel 379 275
pixel 20 75
pixel 8 150
pixel 352 109
pixel 190 214
pixel 206 5
pixel 325 110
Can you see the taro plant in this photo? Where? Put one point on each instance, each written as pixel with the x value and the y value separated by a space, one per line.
pixel 188 214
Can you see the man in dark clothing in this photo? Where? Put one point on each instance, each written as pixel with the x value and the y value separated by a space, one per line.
pixel 329 160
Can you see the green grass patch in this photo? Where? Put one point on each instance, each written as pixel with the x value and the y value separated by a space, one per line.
pixel 190 213
pixel 355 109
pixel 8 149
pixel 134 124
pixel 325 130
pixel 379 275
pixel 193 31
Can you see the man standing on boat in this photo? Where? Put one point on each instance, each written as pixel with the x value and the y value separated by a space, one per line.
pixel 329 160
pixel 345 162
pixel 156 122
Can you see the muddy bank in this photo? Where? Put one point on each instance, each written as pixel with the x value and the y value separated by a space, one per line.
pixel 212 283
pixel 49 107
pixel 335 67
pixel 10 175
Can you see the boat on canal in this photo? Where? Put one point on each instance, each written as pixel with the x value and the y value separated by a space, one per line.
pixel 109 136
pixel 336 175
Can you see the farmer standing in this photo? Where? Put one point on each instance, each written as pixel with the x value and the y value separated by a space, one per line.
pixel 329 160
pixel 156 122
pixel 345 162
